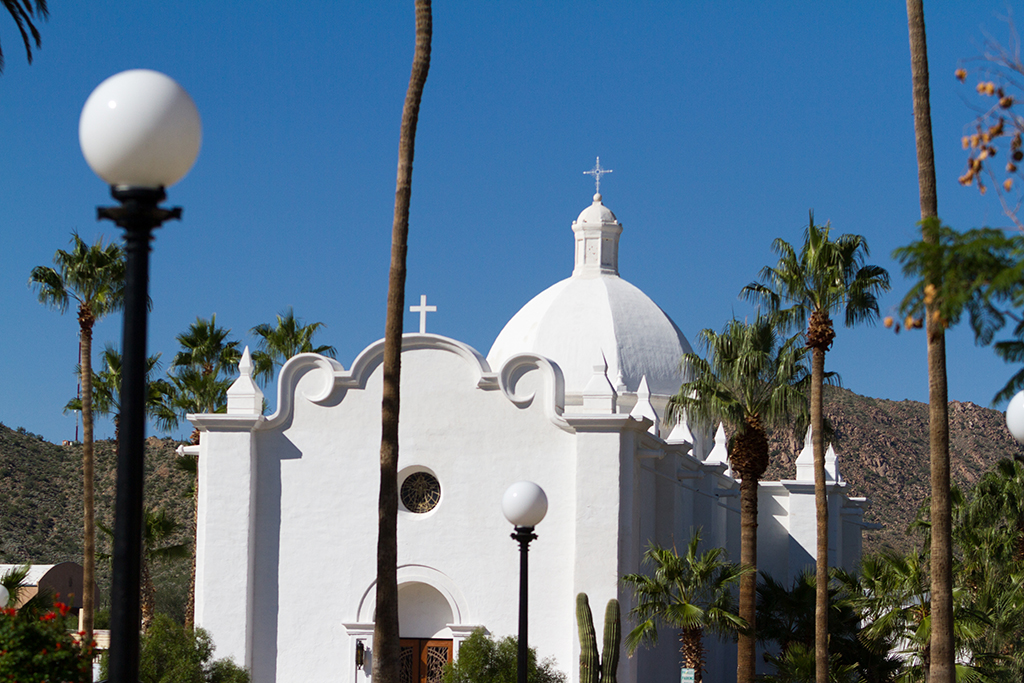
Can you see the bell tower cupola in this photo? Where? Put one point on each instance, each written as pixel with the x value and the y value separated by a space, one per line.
pixel 597 241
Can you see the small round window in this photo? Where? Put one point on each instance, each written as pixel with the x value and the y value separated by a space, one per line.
pixel 420 492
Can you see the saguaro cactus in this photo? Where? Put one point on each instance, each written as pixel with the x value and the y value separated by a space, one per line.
pixel 612 639
pixel 591 669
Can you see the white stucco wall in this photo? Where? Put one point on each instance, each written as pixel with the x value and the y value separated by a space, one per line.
pixel 288 512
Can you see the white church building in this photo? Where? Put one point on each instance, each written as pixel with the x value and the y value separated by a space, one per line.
pixel 572 396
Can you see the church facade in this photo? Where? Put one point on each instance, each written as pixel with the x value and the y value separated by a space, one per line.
pixel 572 395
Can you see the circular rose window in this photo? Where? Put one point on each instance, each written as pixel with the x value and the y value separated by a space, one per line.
pixel 420 492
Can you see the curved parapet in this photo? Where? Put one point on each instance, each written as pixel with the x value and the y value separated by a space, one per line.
pixel 296 368
pixel 373 355
pixel 517 367
pixel 334 378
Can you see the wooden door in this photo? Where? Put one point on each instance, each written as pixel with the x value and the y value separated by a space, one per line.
pixel 423 660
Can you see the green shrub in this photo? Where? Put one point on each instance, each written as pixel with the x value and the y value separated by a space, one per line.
pixel 35 647
pixel 170 653
pixel 484 660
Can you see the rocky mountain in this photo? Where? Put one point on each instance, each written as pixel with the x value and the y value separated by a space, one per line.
pixel 41 505
pixel 882 449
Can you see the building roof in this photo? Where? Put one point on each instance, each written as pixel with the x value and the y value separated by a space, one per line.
pixel 596 312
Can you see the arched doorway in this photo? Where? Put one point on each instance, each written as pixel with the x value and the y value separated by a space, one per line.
pixel 423 616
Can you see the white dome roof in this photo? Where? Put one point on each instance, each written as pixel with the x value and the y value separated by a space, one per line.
pixel 596 213
pixel 596 312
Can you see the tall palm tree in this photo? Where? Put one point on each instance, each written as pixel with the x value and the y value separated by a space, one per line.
pixel 201 374
pixel 750 382
pixel 24 13
pixel 386 645
pixel 693 593
pixel 106 392
pixel 942 650
pixel 205 347
pixel 806 288
pixel 280 342
pixel 93 278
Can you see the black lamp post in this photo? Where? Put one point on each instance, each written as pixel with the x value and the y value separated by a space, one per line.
pixel 525 505
pixel 140 132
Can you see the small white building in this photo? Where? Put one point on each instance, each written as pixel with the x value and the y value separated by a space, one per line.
pixel 572 395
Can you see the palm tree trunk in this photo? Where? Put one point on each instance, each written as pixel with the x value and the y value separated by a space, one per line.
pixel 821 514
pixel 86 320
pixel 148 601
pixel 386 646
pixel 745 667
pixel 693 652
pixel 942 665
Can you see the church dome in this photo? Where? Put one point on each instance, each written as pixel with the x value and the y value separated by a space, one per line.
pixel 596 312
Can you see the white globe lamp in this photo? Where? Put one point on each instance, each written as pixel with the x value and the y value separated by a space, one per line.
pixel 5 597
pixel 524 504
pixel 139 128
pixel 1015 416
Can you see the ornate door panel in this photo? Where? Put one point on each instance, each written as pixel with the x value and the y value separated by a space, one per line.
pixel 423 660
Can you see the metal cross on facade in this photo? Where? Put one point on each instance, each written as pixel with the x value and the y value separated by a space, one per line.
pixel 597 172
pixel 423 309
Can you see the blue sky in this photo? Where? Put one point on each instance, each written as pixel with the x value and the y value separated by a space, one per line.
pixel 724 122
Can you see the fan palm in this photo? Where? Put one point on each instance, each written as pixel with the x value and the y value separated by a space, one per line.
pixel 280 342
pixel 806 288
pixel 24 13
pixel 92 277
pixel 750 382
pixel 158 527
pixel 786 620
pixel 206 348
pixel 201 374
pixel 692 592
pixel 988 530
pixel 106 394
pixel 892 596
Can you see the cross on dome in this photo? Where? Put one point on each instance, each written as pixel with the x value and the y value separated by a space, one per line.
pixel 597 172
pixel 423 309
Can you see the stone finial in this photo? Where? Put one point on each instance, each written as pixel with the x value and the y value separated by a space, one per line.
pixel 244 396
pixel 599 395
pixel 681 432
pixel 832 466
pixel 644 407
pixel 719 455
pixel 805 461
